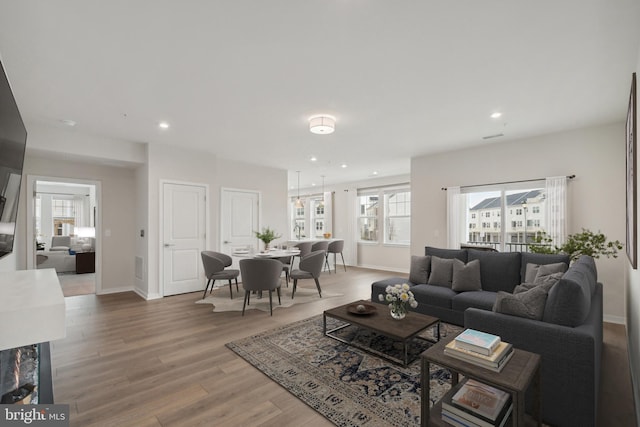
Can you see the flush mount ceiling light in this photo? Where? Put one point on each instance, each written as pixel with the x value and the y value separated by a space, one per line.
pixel 496 115
pixel 163 125
pixel 322 124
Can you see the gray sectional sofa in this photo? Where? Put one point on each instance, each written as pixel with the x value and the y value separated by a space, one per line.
pixel 529 301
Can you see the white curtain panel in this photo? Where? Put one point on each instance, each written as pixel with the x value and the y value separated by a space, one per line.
pixel 556 189
pixel 454 217
pixel 79 212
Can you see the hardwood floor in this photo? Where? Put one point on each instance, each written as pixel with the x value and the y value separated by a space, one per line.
pixel 130 362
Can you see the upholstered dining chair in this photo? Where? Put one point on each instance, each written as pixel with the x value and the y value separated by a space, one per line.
pixel 336 247
pixel 322 245
pixel 260 275
pixel 310 268
pixel 215 264
pixel 305 248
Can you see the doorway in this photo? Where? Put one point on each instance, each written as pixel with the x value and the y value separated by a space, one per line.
pixel 64 227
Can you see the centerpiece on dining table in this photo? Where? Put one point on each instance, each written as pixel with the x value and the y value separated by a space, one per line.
pixel 267 236
pixel 399 297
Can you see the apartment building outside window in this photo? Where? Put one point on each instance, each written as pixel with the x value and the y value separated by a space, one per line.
pixel 368 217
pixel 521 213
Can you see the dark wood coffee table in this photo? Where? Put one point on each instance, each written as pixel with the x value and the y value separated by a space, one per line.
pixel 380 321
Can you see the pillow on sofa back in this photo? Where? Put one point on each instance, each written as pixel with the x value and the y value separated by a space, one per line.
pixel 420 269
pixel 569 301
pixel 466 277
pixel 499 271
pixel 441 272
pixel 529 304
pixel 540 259
pixel 461 254
pixel 538 272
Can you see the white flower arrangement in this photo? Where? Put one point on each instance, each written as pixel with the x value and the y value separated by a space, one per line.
pixel 399 296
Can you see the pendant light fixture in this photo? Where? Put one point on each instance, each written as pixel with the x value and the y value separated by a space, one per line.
pixel 321 204
pixel 299 204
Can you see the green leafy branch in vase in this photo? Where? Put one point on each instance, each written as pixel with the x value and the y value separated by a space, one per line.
pixel 267 236
pixel 585 243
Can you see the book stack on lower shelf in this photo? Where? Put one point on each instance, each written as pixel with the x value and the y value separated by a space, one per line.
pixel 480 348
pixel 474 404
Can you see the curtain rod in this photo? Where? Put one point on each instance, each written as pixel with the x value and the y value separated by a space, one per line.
pixel 399 184
pixel 506 182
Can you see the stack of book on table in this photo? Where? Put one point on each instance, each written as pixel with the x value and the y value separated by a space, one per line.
pixel 480 348
pixel 474 404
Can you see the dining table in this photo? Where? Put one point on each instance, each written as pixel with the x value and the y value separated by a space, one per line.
pixel 273 253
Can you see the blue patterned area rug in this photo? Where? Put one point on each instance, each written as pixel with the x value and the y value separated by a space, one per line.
pixel 346 385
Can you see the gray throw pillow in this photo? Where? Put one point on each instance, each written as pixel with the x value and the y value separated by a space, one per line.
pixel 533 270
pixel 420 267
pixel 529 304
pixel 466 277
pixel 441 272
pixel 550 270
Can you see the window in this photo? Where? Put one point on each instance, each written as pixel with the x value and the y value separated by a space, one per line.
pixel 386 213
pixel 514 208
pixel 318 217
pixel 298 220
pixel 397 217
pixel 368 218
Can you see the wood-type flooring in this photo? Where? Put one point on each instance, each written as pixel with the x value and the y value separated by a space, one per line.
pixel 130 362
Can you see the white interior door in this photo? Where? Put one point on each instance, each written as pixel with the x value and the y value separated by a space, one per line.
pixel 184 234
pixel 240 218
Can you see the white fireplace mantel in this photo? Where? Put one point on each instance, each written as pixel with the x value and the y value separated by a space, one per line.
pixel 31 308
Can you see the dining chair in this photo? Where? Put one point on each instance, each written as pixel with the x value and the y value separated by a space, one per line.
pixel 336 247
pixel 260 274
pixel 310 267
pixel 322 245
pixel 215 264
pixel 305 248
pixel 287 262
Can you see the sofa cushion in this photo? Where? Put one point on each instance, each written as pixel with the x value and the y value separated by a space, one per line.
pixel 545 270
pixel 499 271
pixel 466 277
pixel 540 259
pixel 569 301
pixel 461 254
pixel 420 268
pixel 533 270
pixel 441 272
pixel 438 296
pixel 474 299
pixel 529 304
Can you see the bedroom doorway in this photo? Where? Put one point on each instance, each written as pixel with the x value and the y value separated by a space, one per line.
pixel 65 231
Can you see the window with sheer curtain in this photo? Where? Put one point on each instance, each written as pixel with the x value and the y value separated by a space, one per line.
pixel 508 217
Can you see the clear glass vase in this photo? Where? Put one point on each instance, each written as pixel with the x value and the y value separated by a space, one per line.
pixel 398 311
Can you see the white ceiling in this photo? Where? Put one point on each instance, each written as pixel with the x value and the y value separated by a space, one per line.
pixel 240 78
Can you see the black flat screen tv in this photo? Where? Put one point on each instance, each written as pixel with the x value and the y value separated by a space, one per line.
pixel 13 141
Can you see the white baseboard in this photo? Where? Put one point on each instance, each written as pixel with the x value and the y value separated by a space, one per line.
pixel 115 290
pixel 379 267
pixel 614 319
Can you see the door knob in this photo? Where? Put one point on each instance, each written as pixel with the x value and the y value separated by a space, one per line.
pixel 166 245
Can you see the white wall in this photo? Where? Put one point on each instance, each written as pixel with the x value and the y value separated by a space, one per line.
pixel 118 201
pixel 596 198
pixel 176 164
pixel 632 288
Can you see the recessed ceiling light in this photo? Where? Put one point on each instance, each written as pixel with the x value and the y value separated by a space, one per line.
pixel 313 158
pixel 163 125
pixel 313 184
pixel 496 115
pixel 374 173
pixel 68 122
pixel 344 165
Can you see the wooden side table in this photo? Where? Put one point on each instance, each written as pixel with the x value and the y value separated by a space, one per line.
pixel 85 262
pixel 522 371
